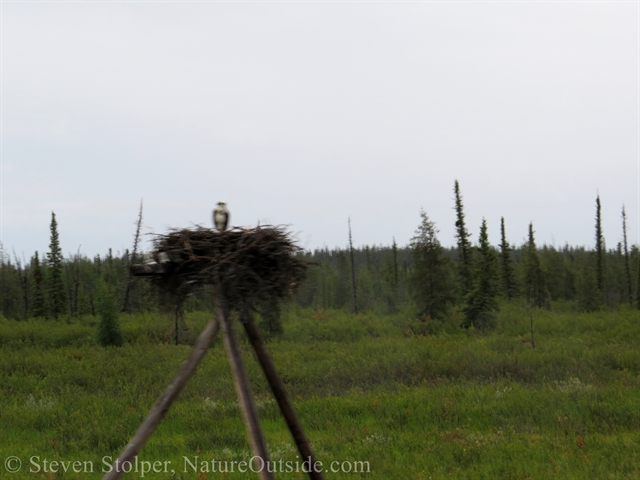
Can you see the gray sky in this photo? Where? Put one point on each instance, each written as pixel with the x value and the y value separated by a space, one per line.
pixel 306 113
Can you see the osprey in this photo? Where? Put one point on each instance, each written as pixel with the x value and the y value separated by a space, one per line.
pixel 221 217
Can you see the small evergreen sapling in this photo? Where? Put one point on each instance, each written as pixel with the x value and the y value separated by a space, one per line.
pixel 109 333
pixel 271 320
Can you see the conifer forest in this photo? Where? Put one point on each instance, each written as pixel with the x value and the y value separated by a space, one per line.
pixel 423 275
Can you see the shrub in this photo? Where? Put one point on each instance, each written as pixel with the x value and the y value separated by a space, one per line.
pixel 109 329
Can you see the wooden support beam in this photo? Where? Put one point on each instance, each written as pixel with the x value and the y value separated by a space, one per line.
pixel 163 403
pixel 245 395
pixel 280 394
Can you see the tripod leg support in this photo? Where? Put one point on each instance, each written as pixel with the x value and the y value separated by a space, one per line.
pixel 280 394
pixel 163 403
pixel 245 396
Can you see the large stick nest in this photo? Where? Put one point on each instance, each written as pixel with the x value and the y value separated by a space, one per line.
pixel 250 266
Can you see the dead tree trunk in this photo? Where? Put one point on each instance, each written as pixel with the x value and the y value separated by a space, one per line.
pixel 132 259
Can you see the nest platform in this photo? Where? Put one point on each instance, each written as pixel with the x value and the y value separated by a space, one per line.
pixel 251 266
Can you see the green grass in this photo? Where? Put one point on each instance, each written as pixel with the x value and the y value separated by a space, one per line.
pixel 459 404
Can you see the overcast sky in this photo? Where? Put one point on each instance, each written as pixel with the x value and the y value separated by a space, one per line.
pixel 307 113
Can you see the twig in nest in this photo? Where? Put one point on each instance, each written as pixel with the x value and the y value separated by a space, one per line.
pixel 252 266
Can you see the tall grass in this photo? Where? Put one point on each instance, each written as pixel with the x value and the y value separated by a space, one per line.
pixel 459 404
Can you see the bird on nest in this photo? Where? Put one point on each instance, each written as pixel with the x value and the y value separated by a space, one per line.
pixel 221 217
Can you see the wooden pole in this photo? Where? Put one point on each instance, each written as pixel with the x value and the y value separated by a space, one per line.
pixel 163 403
pixel 279 392
pixel 245 396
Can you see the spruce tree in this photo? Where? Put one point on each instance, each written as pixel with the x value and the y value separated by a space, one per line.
pixel 627 263
pixel 638 286
pixel 600 249
pixel 38 303
pixel 73 268
pixel 56 290
pixel 588 296
pixel 430 279
pixel 271 322
pixel 109 333
pixel 507 273
pixel 353 271
pixel 481 302
pixel 534 282
pixel 25 285
pixel 464 244
pixel 339 285
pixel 394 249
pixel 367 252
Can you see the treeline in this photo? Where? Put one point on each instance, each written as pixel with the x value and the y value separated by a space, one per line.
pixel 473 276
pixel 383 277
pixel 51 286
pixel 425 275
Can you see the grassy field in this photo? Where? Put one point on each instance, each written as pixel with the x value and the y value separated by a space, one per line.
pixel 370 388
